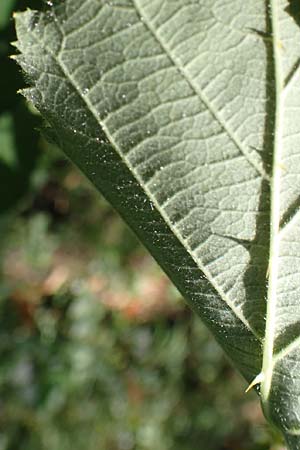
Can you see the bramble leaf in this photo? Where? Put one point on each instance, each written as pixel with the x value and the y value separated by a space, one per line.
pixel 185 115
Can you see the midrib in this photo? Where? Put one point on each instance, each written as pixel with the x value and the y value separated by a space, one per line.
pixel 267 368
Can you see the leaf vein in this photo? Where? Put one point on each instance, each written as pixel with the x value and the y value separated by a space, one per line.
pixel 180 238
pixel 202 96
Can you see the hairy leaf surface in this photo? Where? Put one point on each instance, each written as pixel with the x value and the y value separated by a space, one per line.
pixel 185 115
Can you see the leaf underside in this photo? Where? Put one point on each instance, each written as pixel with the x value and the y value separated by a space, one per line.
pixel 184 114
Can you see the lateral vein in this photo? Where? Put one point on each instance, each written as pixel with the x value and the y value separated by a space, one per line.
pixel 202 96
pixel 286 350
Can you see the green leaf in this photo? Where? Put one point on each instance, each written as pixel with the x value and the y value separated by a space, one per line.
pixel 185 116
pixel 6 8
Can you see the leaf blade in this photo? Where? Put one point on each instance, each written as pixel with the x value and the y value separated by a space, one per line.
pixel 34 94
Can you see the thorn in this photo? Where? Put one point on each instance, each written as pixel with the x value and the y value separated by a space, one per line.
pixel 257 380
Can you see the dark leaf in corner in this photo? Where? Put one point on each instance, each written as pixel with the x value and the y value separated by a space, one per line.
pixel 294 10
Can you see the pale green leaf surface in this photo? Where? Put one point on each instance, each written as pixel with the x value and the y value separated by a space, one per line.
pixel 185 115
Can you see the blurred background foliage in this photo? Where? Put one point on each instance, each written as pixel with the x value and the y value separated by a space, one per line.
pixel 97 349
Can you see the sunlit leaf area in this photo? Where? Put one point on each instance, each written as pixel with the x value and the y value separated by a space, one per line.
pixel 98 351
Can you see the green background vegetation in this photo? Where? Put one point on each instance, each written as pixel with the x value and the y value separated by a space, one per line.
pixel 97 349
